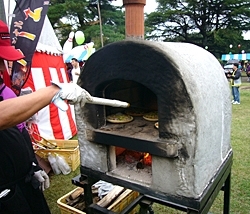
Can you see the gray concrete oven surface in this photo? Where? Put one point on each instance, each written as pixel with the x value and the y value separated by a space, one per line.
pixel 197 96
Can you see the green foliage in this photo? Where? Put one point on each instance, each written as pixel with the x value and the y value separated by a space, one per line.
pixel 74 15
pixel 221 40
pixel 198 22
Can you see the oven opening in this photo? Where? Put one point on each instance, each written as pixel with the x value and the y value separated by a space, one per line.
pixel 140 97
pixel 132 165
pixel 133 162
pixel 140 120
pixel 139 159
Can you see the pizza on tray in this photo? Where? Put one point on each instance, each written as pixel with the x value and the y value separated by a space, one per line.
pixel 119 118
pixel 151 116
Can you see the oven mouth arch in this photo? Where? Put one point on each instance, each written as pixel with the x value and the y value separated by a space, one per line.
pixel 142 63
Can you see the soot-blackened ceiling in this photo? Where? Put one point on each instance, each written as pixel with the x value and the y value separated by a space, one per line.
pixel 139 62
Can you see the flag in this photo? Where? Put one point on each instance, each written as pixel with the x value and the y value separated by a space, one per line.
pixel 25 30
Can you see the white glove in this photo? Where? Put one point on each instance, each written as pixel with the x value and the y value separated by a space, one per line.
pixel 103 188
pixel 43 178
pixel 73 93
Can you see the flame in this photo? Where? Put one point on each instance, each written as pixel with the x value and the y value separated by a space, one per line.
pixel 134 157
pixel 147 159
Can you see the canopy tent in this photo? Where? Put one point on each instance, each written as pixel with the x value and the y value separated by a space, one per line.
pixel 47 65
pixel 226 57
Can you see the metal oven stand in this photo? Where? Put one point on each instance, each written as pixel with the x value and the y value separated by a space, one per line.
pixel 221 182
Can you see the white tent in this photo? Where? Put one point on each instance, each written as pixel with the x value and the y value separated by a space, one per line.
pixel 244 56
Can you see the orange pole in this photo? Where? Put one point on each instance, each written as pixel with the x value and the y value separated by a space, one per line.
pixel 134 18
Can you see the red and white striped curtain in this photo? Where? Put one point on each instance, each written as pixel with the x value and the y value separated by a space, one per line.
pixel 52 123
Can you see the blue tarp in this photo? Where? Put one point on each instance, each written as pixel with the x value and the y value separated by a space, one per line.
pixel 226 57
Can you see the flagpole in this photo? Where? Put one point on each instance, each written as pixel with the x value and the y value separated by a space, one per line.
pixel 100 21
pixel 9 13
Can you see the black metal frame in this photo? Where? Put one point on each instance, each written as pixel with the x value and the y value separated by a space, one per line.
pixel 221 181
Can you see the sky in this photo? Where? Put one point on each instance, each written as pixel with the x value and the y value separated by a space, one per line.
pixel 149 7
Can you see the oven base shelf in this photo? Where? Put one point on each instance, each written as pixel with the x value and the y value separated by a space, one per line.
pixel 157 147
pixel 221 181
pixel 141 135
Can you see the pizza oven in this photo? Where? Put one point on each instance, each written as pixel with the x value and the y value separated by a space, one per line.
pixel 187 88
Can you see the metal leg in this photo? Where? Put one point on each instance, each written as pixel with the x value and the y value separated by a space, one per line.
pixel 222 182
pixel 146 207
pixel 150 210
pixel 143 209
pixel 88 196
pixel 227 187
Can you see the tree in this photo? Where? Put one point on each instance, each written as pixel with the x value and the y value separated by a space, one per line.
pixel 73 15
pixel 198 21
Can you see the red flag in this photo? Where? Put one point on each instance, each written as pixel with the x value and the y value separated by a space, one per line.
pixel 25 31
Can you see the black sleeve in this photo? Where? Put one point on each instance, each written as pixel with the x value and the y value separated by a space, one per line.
pixel 15 156
pixel 237 75
pixel 31 150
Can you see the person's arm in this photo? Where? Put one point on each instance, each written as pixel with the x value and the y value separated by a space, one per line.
pixel 237 75
pixel 77 73
pixel 16 110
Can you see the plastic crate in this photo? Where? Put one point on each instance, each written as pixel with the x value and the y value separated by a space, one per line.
pixel 66 209
pixel 123 201
pixel 117 206
pixel 69 149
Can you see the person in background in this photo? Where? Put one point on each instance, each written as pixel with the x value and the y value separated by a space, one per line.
pixel 235 79
pixel 248 71
pixel 21 179
pixel 69 69
pixel 240 66
pixel 75 72
pixel 7 93
pixel 2 87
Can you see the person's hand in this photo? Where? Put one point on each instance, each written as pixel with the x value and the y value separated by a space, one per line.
pixel 73 93
pixel 43 178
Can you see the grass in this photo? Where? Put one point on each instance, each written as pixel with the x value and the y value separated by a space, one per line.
pixel 240 182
